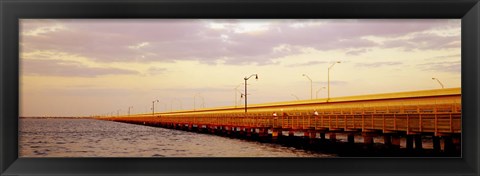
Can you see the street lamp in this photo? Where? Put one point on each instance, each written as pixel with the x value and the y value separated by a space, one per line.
pixel 241 97
pixel 153 106
pixel 295 96
pixel 236 90
pixel 130 107
pixel 118 113
pixel 438 82
pixel 239 102
pixel 329 78
pixel 246 78
pixel 319 91
pixel 311 86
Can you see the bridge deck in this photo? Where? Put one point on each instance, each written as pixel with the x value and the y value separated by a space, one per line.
pixel 434 111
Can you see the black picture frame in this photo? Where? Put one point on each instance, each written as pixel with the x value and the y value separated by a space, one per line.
pixel 13 10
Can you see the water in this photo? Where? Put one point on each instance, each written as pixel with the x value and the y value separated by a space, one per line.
pixel 95 138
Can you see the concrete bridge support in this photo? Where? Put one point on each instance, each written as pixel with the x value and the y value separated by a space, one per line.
pixel 351 138
pixel 409 142
pixel 452 143
pixel 448 144
pixel 436 144
pixel 457 143
pixel 396 141
pixel 276 134
pixel 322 136
pixel 387 139
pixel 263 134
pixel 248 132
pixel 418 142
pixel 291 133
pixel 312 137
pixel 332 137
pixel 368 139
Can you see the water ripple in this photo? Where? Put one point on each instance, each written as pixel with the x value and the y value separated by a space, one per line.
pixel 94 138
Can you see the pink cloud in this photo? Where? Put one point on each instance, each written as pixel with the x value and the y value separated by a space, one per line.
pixel 169 40
pixel 425 42
pixel 67 69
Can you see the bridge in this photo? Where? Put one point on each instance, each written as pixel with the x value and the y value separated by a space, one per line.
pixel 410 115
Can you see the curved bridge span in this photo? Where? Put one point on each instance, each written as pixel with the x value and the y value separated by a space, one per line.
pixel 410 115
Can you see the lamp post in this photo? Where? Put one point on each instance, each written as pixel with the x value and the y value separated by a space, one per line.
pixel 118 113
pixel 329 78
pixel 295 96
pixel 239 102
pixel 311 85
pixel 316 95
pixel 130 107
pixel 236 90
pixel 438 82
pixel 246 78
pixel 241 97
pixel 153 106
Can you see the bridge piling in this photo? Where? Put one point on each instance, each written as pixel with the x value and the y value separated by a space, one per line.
pixel 332 137
pixel 409 142
pixel 457 142
pixel 418 142
pixel 322 136
pixel 448 144
pixel 368 139
pixel 248 132
pixel 277 135
pixel 395 141
pixel 387 139
pixel 290 133
pixel 351 138
pixel 436 144
pixel 312 137
pixel 223 130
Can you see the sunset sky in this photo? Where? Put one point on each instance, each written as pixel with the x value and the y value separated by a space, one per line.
pixel 96 67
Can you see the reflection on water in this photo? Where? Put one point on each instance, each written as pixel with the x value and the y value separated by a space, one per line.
pixel 94 138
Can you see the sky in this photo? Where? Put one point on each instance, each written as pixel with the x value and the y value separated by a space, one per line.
pixel 85 67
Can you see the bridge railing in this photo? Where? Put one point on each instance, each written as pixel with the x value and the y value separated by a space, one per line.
pixel 441 117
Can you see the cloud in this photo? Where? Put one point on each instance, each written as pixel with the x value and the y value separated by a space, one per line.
pixel 138 46
pixel 40 27
pixel 234 42
pixel 156 70
pixel 378 64
pixel 67 68
pixel 310 63
pixel 423 41
pixel 447 66
pixel 445 57
pixel 357 51
pixel 82 92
